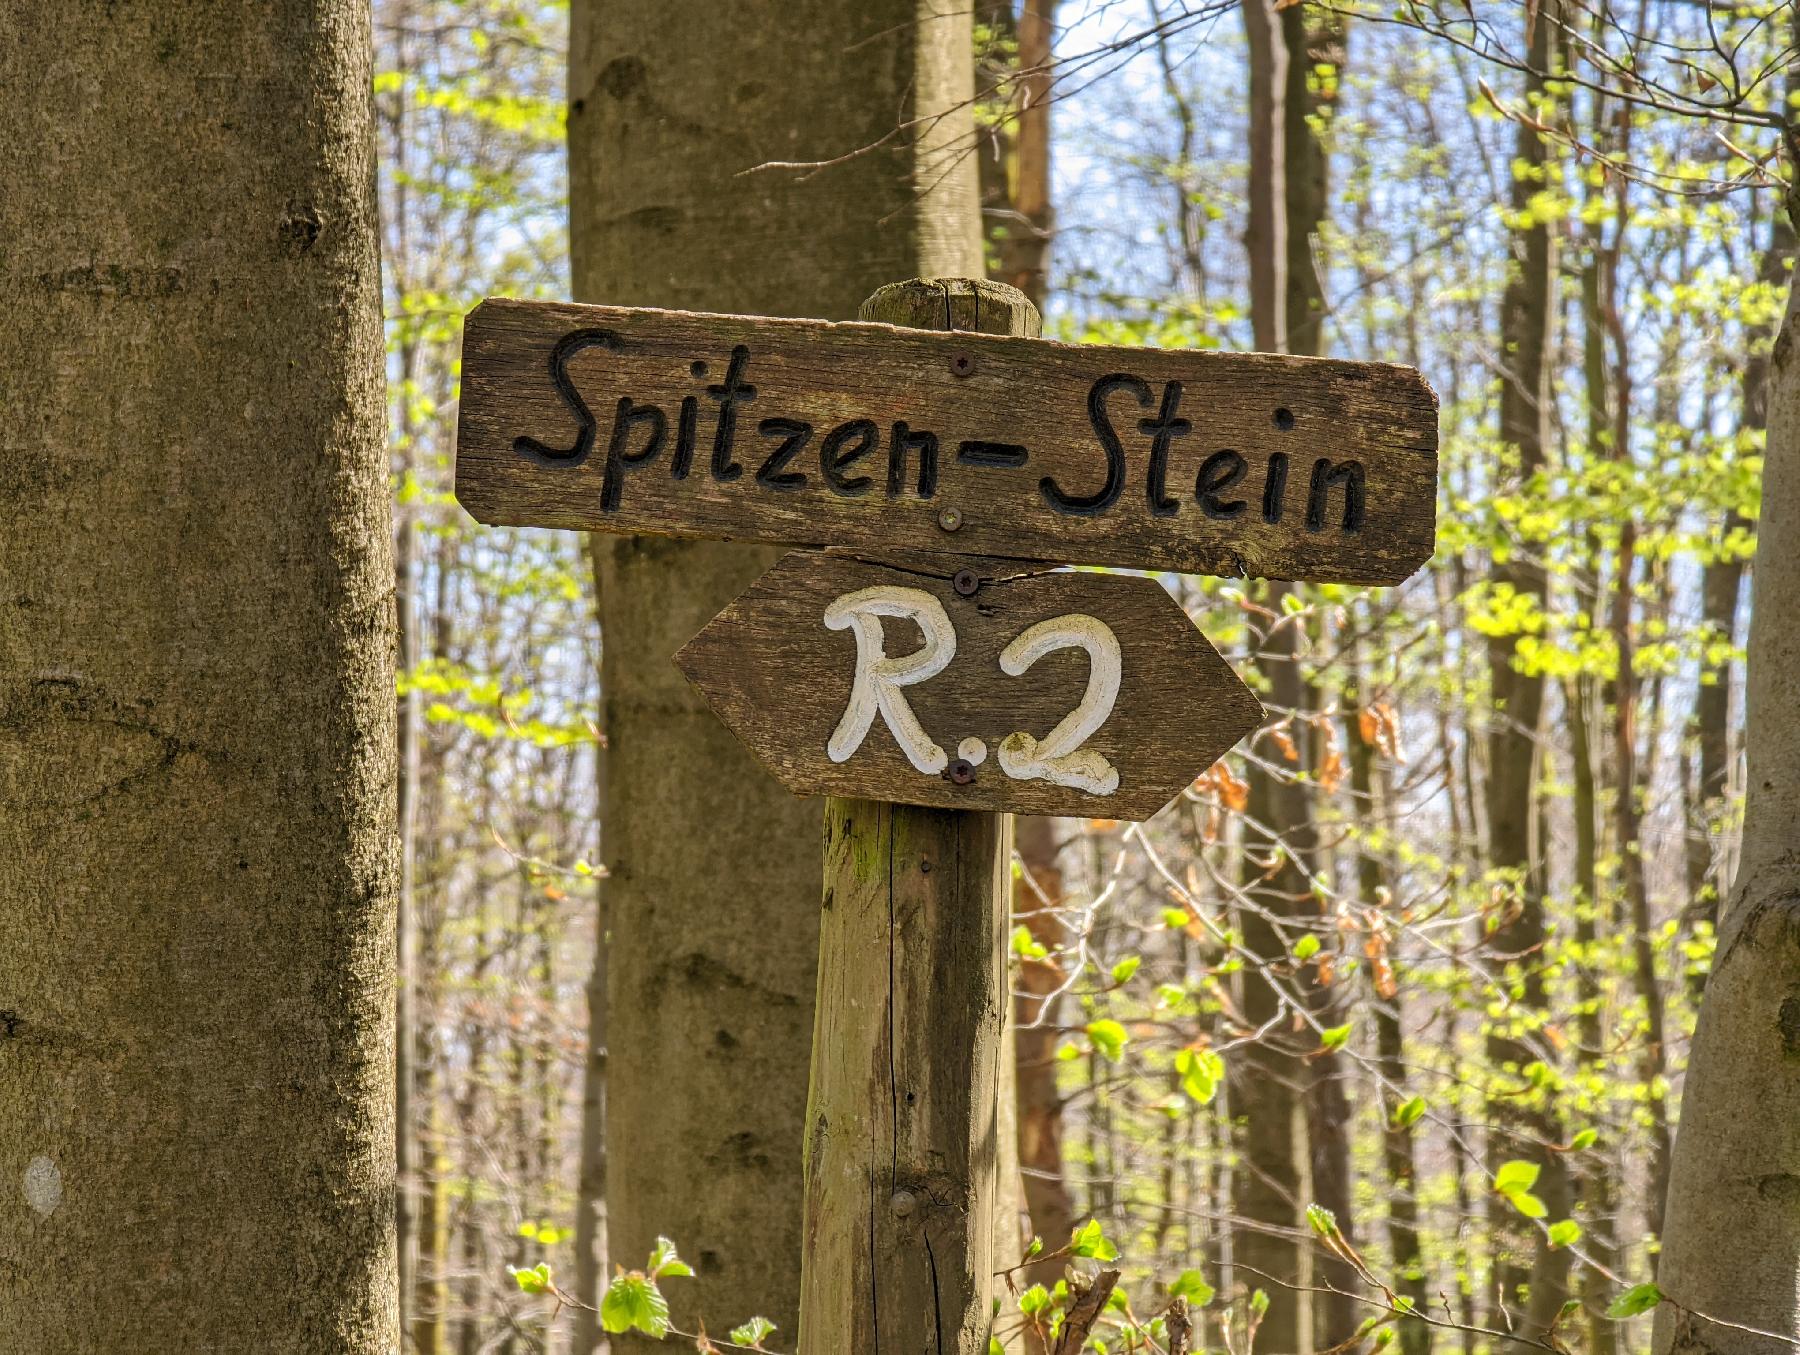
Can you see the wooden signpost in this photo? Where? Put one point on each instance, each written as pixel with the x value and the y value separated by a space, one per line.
pixel 933 661
pixel 805 433
pixel 970 684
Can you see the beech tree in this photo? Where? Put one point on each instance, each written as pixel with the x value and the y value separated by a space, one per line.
pixel 714 871
pixel 196 685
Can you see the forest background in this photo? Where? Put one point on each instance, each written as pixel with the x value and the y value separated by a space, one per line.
pixel 1425 954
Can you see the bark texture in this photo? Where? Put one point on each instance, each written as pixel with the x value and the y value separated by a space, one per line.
pixel 197 740
pixel 1732 1224
pixel 712 903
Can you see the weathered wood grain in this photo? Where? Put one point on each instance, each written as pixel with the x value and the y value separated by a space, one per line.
pixel 1220 463
pixel 782 680
pixel 909 1045
pixel 901 1120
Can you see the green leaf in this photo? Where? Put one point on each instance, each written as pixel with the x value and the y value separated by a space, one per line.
pixel 1335 1037
pixel 1323 1221
pixel 1516 1175
pixel 1034 1300
pixel 1037 1245
pixel 1306 947
pixel 1201 1071
pixel 1565 1233
pixel 1409 1112
pixel 1109 1038
pixel 1587 1138
pixel 1088 1240
pixel 1526 1203
pixel 1124 969
pixel 634 1303
pixel 1259 1302
pixel 1640 1298
pixel 664 1261
pixel 1192 1286
pixel 531 1279
pixel 752 1332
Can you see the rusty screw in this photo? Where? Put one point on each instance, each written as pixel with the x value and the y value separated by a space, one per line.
pixel 962 365
pixel 966 583
pixel 903 1202
pixel 962 771
pixel 950 519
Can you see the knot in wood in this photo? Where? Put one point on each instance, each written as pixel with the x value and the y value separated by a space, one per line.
pixel 903 1202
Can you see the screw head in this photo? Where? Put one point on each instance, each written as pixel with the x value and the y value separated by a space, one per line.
pixel 903 1202
pixel 962 772
pixel 962 365
pixel 966 582
pixel 950 519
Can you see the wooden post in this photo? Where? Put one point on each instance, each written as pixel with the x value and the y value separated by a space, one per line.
pixel 901 1144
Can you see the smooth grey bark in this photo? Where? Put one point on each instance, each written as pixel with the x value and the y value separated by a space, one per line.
pixel 712 902
pixel 1731 1239
pixel 197 740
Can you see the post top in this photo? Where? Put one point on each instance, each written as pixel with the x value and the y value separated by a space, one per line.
pixel 973 304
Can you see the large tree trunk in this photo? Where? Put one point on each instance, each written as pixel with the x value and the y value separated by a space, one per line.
pixel 1721 584
pixel 197 686
pixel 713 898
pixel 1731 1241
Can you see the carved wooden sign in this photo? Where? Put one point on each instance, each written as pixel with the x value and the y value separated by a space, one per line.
pixel 970 684
pixel 877 438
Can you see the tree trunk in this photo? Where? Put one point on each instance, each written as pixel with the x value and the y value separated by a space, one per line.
pixel 197 697
pixel 713 952
pixel 1036 896
pixel 1731 1242
pixel 1721 584
pixel 1399 1154
pixel 1025 252
pixel 1267 1083
pixel 1527 310
pixel 1315 40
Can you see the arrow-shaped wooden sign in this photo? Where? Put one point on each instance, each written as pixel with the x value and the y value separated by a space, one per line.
pixel 875 438
pixel 970 684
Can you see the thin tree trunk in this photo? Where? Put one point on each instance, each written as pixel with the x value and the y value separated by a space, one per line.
pixel 1527 311
pixel 1267 1083
pixel 713 888
pixel 1375 809
pixel 1036 896
pixel 1025 254
pixel 197 700
pixel 1315 40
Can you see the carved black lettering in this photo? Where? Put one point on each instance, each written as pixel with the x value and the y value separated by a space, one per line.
pixel 730 393
pixel 618 459
pixel 1218 473
pixel 1275 486
pixel 1163 430
pixel 1091 505
pixel 794 435
pixel 1009 455
pixel 906 440
pixel 566 348
pixel 685 422
pixel 1325 474
pixel 843 446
